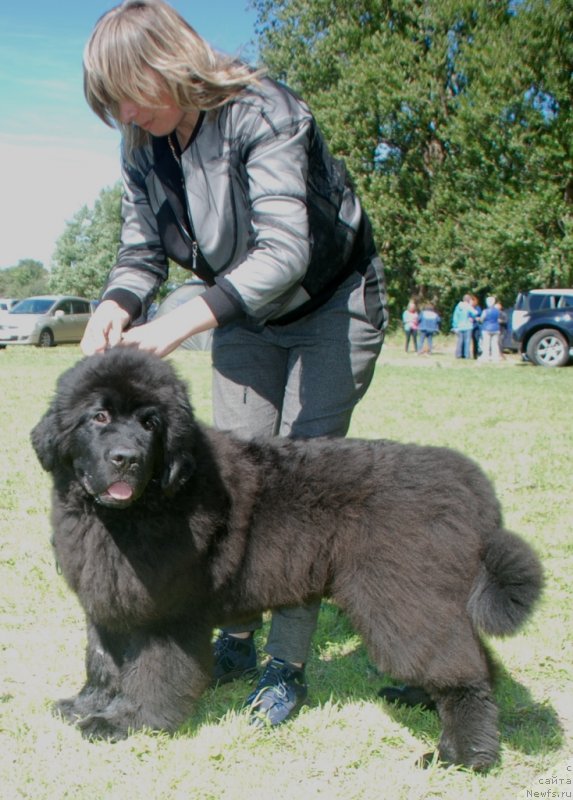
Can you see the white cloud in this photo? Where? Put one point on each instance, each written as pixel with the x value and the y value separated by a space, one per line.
pixel 43 184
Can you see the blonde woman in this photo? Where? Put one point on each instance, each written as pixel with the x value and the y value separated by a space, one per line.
pixel 226 172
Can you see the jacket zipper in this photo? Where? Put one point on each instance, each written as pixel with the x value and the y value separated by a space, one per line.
pixel 189 233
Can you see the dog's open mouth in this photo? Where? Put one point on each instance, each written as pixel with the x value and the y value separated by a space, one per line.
pixel 119 493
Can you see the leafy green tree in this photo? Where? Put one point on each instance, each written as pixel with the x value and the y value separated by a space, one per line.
pixel 454 117
pixel 87 248
pixel 71 250
pixel 27 278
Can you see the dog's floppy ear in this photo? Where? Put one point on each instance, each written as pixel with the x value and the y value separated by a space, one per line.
pixel 179 444
pixel 44 439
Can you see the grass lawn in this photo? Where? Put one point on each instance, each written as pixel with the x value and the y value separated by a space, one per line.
pixel 513 418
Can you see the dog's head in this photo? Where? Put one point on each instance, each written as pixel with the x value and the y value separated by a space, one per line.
pixel 118 420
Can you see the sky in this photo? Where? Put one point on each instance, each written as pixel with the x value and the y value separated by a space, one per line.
pixel 55 154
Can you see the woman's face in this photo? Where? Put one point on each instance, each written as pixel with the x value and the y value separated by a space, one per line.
pixel 159 118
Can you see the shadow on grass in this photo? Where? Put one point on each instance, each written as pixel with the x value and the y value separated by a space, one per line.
pixel 341 671
pixel 525 725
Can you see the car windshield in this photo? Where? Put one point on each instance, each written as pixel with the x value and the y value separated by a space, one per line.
pixel 33 305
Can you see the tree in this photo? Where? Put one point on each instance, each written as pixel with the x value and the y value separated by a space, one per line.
pixel 87 249
pixel 27 278
pixel 454 124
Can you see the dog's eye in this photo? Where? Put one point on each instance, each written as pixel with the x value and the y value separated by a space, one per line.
pixel 102 417
pixel 149 423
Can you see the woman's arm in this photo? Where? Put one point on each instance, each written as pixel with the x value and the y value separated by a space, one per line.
pixel 162 335
pixel 142 265
pixel 140 270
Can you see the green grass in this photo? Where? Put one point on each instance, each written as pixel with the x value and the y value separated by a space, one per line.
pixel 514 419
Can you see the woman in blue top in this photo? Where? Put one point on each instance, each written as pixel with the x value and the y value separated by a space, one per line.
pixel 490 329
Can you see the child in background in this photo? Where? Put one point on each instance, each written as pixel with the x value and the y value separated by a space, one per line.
pixel 428 325
pixel 410 320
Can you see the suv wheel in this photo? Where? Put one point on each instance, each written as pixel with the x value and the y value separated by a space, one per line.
pixel 548 348
pixel 46 338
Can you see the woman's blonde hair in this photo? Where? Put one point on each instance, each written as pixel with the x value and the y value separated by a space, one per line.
pixel 142 46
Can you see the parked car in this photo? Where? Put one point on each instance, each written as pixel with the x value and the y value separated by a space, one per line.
pixel 7 303
pixel 542 326
pixel 45 321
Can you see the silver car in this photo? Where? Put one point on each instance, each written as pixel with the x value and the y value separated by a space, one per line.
pixel 45 321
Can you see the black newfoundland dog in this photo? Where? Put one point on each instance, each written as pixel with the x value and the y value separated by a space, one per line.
pixel 165 529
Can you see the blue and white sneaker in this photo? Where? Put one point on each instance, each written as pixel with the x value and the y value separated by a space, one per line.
pixel 280 693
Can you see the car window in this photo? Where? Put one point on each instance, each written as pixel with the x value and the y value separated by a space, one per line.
pixel 538 301
pixel 65 306
pixel 33 305
pixel 81 307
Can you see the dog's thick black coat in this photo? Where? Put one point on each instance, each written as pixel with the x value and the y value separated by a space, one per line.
pixel 165 529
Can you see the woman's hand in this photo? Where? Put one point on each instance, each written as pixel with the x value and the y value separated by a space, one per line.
pixel 105 328
pixel 161 336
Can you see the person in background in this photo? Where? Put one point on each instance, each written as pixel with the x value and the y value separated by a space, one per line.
pixel 429 325
pixel 490 330
pixel 226 172
pixel 410 319
pixel 503 328
pixel 463 325
pixel 476 331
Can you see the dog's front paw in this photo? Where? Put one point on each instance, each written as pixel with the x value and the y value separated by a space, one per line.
pixel 91 700
pixel 67 710
pixel 103 726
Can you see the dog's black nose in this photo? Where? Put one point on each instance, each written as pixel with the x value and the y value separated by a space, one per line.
pixel 124 457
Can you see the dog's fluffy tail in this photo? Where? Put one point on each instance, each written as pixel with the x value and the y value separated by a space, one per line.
pixel 508 586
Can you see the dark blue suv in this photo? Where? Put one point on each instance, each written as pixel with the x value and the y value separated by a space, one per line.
pixel 542 326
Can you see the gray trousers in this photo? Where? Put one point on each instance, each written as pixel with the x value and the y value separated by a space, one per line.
pixel 300 380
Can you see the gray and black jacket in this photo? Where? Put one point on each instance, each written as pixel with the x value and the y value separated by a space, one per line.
pixel 255 205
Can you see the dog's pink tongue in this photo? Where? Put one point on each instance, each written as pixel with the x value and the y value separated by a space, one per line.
pixel 120 491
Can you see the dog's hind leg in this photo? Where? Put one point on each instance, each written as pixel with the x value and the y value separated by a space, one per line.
pixel 469 725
